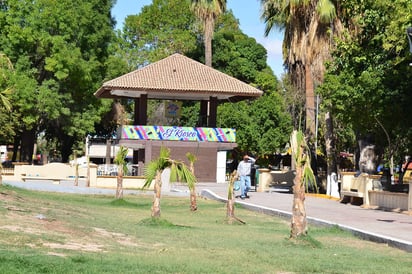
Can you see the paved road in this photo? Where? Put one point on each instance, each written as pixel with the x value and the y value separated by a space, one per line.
pixel 392 228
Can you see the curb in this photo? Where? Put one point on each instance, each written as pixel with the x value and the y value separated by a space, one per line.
pixel 364 235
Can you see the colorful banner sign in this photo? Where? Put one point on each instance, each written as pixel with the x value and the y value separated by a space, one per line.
pixel 174 133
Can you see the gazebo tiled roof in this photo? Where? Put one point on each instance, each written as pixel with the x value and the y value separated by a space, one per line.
pixel 180 78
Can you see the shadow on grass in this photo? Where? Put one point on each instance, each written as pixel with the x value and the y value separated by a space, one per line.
pixel 159 222
pixel 303 241
pixel 124 203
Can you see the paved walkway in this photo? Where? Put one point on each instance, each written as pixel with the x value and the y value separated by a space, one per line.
pixel 392 228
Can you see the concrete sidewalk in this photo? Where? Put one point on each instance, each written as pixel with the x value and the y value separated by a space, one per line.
pixel 394 229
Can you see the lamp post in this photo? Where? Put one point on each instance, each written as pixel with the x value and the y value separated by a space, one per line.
pixel 88 144
pixel 409 34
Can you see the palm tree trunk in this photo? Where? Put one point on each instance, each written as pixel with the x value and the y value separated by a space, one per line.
pixel 76 168
pixel 119 189
pixel 310 102
pixel 193 202
pixel 157 194
pixel 299 223
pixel 230 207
pixel 209 25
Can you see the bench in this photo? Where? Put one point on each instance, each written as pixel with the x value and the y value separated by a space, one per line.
pixel 55 180
pixel 359 187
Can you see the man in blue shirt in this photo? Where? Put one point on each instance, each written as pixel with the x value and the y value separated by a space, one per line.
pixel 244 170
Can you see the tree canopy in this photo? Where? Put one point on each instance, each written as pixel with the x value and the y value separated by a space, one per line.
pixel 59 50
pixel 368 82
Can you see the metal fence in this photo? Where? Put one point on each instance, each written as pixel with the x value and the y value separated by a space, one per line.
pixel 112 170
pixel 7 171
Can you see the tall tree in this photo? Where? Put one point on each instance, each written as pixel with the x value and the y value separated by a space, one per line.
pixel 59 49
pixel 160 29
pixel 368 82
pixel 306 44
pixel 310 27
pixel 208 11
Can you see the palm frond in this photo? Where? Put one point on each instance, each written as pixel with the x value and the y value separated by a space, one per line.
pixel 174 176
pixel 164 153
pixel 191 157
pixel 150 173
pixel 326 11
pixel 187 176
pixel 301 155
pixel 120 158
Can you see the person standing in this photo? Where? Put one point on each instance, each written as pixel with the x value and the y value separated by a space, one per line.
pixel 244 170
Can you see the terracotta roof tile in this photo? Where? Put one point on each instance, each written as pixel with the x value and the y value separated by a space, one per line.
pixel 177 77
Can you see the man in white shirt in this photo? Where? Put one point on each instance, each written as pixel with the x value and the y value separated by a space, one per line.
pixel 244 170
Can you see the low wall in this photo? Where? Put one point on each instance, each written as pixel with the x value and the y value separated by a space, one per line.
pixel 389 200
pixel 129 182
pixel 50 170
pixel 61 170
pixel 359 186
pixel 268 178
pixel 373 194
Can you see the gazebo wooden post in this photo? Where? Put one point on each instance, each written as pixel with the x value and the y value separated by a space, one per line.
pixel 212 112
pixel 140 118
pixel 203 113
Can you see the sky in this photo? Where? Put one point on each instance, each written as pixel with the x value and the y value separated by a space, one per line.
pixel 246 11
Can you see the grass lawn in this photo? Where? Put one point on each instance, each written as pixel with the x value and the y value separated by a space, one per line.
pixel 66 233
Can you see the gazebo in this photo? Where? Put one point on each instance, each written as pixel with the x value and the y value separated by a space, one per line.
pixel 178 78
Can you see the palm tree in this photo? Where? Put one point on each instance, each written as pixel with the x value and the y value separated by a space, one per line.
pixel 208 11
pixel 304 176
pixel 153 171
pixel 192 187
pixel 310 26
pixel 120 161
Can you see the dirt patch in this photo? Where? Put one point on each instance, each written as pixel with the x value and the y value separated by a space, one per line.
pixel 76 246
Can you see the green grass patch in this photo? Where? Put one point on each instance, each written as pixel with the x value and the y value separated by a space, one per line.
pixel 65 233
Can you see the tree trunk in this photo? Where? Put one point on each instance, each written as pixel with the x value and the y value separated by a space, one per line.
pixel 193 202
pixel 76 179
pixel 108 151
pixel 230 207
pixel 157 194
pixel 28 138
pixel 119 189
pixel 209 26
pixel 299 224
pixel 310 102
